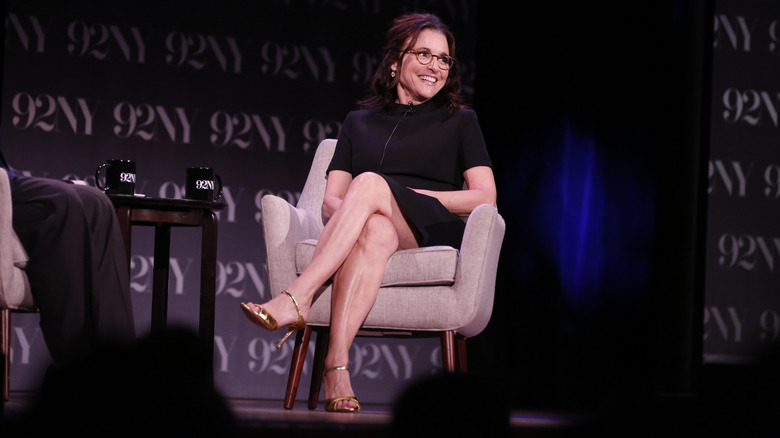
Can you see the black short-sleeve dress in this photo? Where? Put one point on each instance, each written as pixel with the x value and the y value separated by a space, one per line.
pixel 421 147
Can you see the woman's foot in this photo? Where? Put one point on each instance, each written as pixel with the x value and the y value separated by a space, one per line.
pixel 283 309
pixel 339 396
pixel 265 315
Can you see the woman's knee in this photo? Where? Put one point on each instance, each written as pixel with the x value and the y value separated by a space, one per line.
pixel 368 184
pixel 370 190
pixel 369 178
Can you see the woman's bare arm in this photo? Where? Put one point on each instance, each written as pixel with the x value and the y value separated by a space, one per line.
pixel 481 190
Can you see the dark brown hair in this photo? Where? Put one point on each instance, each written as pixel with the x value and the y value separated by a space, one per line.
pixel 382 91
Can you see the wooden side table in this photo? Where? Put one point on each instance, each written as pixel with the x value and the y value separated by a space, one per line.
pixel 163 214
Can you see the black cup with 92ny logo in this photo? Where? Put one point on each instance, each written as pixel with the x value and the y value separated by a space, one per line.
pixel 119 177
pixel 203 184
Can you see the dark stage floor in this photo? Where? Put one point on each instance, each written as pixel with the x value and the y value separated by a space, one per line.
pixel 261 417
pixel 732 404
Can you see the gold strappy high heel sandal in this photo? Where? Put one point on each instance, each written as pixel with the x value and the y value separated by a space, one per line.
pixel 330 404
pixel 268 322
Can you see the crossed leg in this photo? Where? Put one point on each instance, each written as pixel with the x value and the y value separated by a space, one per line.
pixel 353 248
pixel 355 288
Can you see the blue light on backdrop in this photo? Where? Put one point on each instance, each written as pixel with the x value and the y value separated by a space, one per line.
pixel 581 201
pixel 595 217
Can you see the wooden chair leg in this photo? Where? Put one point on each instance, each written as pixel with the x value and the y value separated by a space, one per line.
pixel 5 339
pixel 461 364
pixel 448 351
pixel 296 366
pixel 453 352
pixel 320 349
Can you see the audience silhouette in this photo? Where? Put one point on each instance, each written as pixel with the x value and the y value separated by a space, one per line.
pixel 159 386
pixel 451 405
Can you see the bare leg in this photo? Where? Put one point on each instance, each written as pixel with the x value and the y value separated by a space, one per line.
pixel 368 195
pixel 355 288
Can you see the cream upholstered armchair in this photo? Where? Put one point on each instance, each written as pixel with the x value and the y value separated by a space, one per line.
pixel 14 287
pixel 432 291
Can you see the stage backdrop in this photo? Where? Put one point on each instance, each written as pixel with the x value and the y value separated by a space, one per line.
pixel 248 88
pixel 742 300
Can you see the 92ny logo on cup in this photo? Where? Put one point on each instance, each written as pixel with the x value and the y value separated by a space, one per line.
pixel 204 184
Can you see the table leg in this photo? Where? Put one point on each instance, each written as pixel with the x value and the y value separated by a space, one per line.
pixel 208 281
pixel 162 240
pixel 5 323
pixel 123 217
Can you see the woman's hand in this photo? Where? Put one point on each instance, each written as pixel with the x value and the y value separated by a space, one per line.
pixel 481 190
pixel 336 188
pixel 329 206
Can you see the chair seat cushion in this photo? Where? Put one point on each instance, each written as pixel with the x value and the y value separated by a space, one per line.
pixel 432 265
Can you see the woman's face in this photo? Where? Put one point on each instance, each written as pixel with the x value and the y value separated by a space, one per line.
pixel 418 83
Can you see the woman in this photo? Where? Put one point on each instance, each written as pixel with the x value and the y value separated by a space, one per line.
pixel 394 183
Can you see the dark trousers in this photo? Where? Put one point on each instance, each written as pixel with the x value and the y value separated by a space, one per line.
pixel 78 268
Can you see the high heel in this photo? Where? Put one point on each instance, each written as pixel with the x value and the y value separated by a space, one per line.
pixel 330 404
pixel 268 322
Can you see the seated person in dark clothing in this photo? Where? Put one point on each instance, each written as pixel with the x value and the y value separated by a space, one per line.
pixel 77 267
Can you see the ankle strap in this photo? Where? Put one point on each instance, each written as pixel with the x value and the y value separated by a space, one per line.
pixel 295 303
pixel 342 367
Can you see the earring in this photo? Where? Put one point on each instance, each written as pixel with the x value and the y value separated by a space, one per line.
pixel 392 73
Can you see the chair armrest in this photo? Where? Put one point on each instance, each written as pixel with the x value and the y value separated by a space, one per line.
pixel 14 287
pixel 283 227
pixel 475 280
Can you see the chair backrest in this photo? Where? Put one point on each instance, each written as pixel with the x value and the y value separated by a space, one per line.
pixel 314 189
pixel 14 286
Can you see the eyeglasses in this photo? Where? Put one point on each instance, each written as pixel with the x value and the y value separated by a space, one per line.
pixel 425 57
